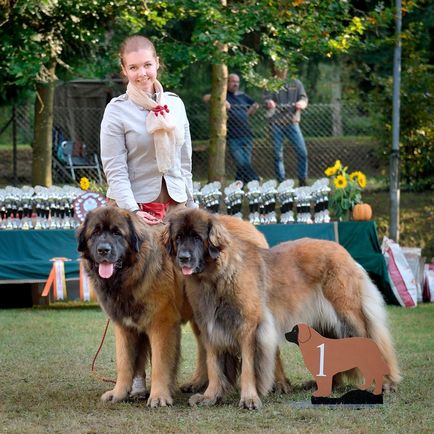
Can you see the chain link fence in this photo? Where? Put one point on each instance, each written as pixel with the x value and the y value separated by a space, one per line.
pixel 331 132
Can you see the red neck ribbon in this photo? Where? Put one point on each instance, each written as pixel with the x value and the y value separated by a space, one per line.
pixel 160 109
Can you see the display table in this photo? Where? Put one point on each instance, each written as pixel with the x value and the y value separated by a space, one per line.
pixel 25 255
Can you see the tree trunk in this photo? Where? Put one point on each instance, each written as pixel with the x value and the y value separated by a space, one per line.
pixel 218 117
pixel 43 132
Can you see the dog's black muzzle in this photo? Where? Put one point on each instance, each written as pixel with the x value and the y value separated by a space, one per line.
pixel 105 252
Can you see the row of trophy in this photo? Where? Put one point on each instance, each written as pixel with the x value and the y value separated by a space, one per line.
pixel 38 207
pixel 307 204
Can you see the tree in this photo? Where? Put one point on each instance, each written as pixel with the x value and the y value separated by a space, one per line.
pixel 38 36
pixel 280 32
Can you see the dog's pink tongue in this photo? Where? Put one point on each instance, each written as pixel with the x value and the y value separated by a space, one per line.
pixel 186 271
pixel 105 270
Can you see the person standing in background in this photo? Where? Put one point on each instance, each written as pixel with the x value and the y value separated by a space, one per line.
pixel 239 134
pixel 145 139
pixel 284 114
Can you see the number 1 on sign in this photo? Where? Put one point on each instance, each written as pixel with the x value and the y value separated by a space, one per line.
pixel 321 360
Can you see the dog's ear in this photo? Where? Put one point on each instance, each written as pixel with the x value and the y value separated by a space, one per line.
pixel 166 239
pixel 218 238
pixel 135 240
pixel 81 237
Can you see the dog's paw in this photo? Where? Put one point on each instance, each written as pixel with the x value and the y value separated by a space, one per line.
pixel 307 385
pixel 251 403
pixel 115 395
pixel 160 400
pixel 139 394
pixel 194 386
pixel 138 389
pixel 281 387
pixel 390 387
pixel 201 399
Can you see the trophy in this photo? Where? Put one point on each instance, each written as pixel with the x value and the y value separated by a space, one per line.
pixel 26 207
pixel 11 199
pixel 211 196
pixel 253 196
pixel 320 194
pixel 303 196
pixel 234 198
pixel 268 195
pixel 69 196
pixel 2 209
pixel 197 194
pixel 285 196
pixel 41 207
pixel 84 202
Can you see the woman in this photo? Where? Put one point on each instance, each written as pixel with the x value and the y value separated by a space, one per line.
pixel 145 139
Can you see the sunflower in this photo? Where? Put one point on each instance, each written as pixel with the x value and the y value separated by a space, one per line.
pixel 330 171
pixel 355 175
pixel 84 183
pixel 361 180
pixel 338 165
pixel 340 181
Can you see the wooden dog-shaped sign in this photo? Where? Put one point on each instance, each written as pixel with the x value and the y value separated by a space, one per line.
pixel 325 357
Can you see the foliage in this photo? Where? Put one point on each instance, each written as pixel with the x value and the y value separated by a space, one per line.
pixel 416 124
pixel 283 33
pixel 35 33
pixel 372 67
pixel 346 189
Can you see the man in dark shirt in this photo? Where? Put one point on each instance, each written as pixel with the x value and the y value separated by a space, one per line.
pixel 239 134
pixel 284 117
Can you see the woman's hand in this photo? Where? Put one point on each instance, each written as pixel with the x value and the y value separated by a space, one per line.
pixel 149 218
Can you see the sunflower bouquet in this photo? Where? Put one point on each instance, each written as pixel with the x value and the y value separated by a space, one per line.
pixel 346 189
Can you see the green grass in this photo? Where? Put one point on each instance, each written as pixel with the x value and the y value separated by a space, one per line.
pixel 46 384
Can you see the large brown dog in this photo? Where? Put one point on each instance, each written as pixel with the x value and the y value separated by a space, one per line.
pixel 244 299
pixel 138 288
pixel 141 291
pixel 326 357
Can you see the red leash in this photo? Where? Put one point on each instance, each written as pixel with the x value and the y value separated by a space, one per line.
pixel 95 374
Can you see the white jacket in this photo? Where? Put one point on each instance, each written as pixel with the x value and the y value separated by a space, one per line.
pixel 128 155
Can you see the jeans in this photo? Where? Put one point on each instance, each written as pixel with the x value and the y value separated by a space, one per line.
pixel 241 150
pixel 295 137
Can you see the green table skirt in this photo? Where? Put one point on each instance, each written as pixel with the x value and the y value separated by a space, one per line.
pixel 25 255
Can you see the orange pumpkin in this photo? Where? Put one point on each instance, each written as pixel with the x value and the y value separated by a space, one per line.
pixel 362 211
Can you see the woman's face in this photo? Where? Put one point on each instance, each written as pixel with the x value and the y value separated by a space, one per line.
pixel 140 68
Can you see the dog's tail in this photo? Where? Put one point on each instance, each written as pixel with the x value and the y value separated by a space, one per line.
pixel 265 354
pixel 376 327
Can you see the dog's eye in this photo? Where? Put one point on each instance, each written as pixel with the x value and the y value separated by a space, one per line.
pixel 197 238
pixel 117 232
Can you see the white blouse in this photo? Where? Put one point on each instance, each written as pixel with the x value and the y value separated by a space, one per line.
pixel 128 155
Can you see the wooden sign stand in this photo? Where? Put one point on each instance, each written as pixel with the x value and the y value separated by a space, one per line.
pixel 325 357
